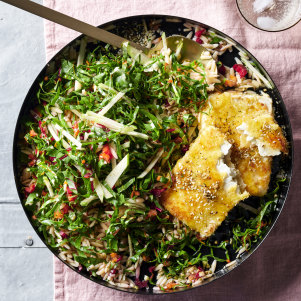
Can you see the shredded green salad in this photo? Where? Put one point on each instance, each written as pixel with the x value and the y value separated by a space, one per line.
pixel 104 138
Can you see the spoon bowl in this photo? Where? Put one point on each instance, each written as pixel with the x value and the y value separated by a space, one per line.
pixel 190 49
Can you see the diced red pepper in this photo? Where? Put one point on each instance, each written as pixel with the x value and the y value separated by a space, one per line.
pixel 199 40
pixel 75 129
pixel 115 257
pixel 58 215
pixel 200 32
pixel 240 69
pixel 65 209
pixel 32 133
pixel 106 153
pixel 32 162
pixel 152 213
pixel 71 197
pixel 43 129
pixel 31 188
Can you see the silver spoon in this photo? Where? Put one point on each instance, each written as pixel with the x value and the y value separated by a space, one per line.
pixel 190 50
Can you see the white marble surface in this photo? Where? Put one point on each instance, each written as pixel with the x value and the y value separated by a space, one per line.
pixel 25 271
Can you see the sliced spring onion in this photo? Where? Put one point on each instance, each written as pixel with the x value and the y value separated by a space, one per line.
pixel 113 150
pixel 111 103
pixel 152 164
pixel 112 124
pixel 69 136
pixel 48 185
pixel 56 110
pixel 254 70
pixel 136 54
pixel 98 188
pixel 53 133
pixel 71 184
pixel 76 112
pixel 106 192
pixel 87 201
pixel 126 185
pixel 115 174
pixel 65 144
pixel 108 88
pixel 126 144
pixel 130 250
pixel 80 60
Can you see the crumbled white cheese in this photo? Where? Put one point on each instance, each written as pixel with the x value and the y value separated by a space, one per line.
pixel 226 147
pixel 263 148
pixel 223 168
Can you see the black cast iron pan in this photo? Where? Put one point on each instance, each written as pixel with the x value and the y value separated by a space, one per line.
pixel 130 27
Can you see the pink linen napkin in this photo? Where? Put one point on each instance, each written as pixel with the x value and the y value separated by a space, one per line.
pixel 274 271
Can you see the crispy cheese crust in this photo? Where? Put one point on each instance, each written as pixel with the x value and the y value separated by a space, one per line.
pixel 254 169
pixel 244 118
pixel 199 195
pixel 247 121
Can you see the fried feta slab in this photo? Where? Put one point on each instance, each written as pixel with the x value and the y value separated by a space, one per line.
pixel 206 185
pixel 248 122
pixel 246 119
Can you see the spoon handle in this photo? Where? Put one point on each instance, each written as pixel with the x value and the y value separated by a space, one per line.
pixel 77 25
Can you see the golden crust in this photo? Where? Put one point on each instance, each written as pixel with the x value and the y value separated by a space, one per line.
pixel 254 169
pixel 229 110
pixel 198 196
pixel 201 196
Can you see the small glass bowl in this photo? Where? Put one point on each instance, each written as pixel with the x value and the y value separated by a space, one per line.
pixel 270 15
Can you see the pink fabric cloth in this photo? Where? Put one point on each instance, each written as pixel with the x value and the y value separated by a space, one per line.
pixel 274 271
